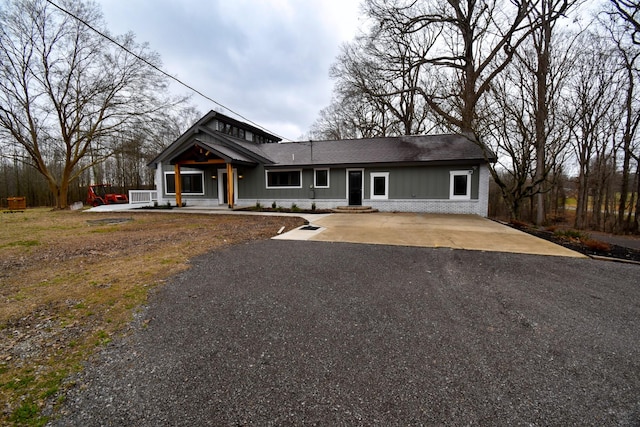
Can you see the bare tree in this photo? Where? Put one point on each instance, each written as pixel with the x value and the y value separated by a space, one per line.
pixel 547 60
pixel 349 117
pixel 476 41
pixel 593 95
pixel 65 91
pixel 385 69
pixel 621 25
pixel 509 126
pixel 629 11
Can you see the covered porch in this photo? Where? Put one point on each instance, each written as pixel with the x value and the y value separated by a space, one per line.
pixel 220 163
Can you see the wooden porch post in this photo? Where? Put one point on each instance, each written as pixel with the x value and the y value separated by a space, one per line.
pixel 178 184
pixel 230 185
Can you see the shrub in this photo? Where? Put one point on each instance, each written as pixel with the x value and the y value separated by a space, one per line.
pixel 274 205
pixel 294 208
pixel 597 245
pixel 518 224
pixel 258 206
pixel 571 234
pixel 313 206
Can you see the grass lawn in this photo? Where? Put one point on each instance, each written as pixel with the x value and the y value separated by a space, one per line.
pixel 71 281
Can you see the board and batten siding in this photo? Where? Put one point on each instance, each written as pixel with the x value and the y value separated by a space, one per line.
pixel 254 186
pixel 411 188
pixel 414 182
pixel 418 182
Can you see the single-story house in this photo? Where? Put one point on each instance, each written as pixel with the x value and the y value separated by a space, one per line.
pixel 223 161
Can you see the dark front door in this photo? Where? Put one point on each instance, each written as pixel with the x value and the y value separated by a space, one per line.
pixel 355 188
pixel 225 192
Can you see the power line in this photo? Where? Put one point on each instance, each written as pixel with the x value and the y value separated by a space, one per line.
pixel 100 33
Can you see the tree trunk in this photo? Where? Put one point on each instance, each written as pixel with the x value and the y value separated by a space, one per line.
pixel 622 225
pixel 60 193
pixel 581 205
pixel 542 112
pixel 636 222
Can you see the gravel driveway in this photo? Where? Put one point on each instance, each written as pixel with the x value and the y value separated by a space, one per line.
pixel 292 333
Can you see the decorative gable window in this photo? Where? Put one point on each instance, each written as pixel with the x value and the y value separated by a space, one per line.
pixel 321 178
pixel 192 182
pixel 284 178
pixel 460 185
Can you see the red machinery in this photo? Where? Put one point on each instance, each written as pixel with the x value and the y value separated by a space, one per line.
pixel 101 194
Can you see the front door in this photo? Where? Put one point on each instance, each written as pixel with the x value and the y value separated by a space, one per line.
pixel 225 183
pixel 354 186
pixel 223 196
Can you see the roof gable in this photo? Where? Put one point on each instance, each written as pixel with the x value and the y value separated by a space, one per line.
pixel 202 134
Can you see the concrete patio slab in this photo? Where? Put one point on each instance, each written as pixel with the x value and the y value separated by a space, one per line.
pixel 427 230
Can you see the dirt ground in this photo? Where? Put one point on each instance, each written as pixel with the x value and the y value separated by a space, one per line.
pixel 71 281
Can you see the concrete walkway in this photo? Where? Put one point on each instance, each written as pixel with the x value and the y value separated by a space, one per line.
pixel 426 230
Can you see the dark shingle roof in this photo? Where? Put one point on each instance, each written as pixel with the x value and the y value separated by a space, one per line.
pixel 402 149
pixel 383 150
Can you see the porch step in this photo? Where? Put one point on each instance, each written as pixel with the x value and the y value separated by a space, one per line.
pixel 354 209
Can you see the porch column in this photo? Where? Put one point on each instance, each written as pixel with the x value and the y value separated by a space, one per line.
pixel 230 185
pixel 178 185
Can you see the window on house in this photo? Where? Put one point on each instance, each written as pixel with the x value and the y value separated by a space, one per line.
pixel 460 185
pixel 284 179
pixel 192 182
pixel 379 185
pixel 321 178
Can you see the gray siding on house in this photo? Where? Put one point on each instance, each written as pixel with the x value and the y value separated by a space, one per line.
pixel 337 185
pixel 413 182
pixel 420 182
pixel 253 179
pixel 254 186
pixel 405 183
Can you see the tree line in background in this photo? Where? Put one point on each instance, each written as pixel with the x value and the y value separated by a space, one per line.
pixel 549 86
pixel 75 107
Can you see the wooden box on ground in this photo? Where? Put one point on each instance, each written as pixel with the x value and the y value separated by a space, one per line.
pixel 17 203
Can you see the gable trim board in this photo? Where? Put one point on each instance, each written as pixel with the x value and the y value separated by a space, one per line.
pixel 421 173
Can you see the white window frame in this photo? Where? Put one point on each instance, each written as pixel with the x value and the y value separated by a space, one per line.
pixel 384 175
pixel 201 173
pixel 266 179
pixel 315 184
pixel 452 175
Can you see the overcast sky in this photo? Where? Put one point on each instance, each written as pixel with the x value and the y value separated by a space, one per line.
pixel 265 59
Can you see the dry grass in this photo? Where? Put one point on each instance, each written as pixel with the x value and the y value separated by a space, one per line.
pixel 70 282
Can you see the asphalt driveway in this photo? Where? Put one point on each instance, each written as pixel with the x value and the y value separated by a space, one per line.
pixel 317 333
